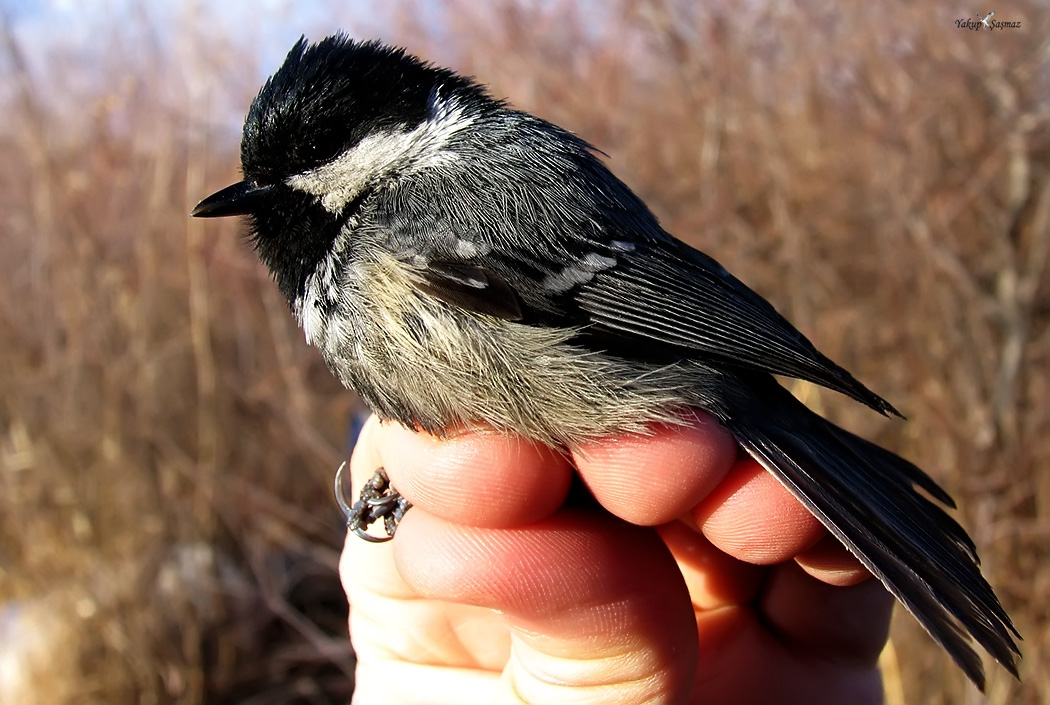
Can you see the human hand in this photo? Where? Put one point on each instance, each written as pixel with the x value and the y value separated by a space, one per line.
pixel 703 580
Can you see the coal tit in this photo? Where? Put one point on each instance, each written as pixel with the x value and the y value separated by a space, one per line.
pixel 460 262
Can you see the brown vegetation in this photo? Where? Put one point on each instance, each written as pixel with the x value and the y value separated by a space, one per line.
pixel 167 440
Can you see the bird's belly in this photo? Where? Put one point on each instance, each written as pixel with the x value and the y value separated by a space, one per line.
pixel 427 365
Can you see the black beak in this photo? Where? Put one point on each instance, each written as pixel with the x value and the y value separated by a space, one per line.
pixel 243 198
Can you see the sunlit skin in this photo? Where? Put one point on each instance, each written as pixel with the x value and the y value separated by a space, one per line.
pixel 701 580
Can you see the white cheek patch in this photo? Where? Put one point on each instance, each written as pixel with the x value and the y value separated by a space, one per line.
pixel 341 180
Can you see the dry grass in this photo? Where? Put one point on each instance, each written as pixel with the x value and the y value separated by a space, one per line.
pixel 167 441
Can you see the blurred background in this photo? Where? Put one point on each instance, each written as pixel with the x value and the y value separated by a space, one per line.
pixel 168 441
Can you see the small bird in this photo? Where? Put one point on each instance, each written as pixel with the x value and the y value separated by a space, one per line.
pixel 458 261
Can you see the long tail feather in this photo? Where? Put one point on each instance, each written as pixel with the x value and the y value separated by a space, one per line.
pixel 866 496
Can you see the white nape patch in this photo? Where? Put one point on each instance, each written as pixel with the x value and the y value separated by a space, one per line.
pixel 342 179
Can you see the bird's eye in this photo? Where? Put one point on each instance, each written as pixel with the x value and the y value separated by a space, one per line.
pixel 323 147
